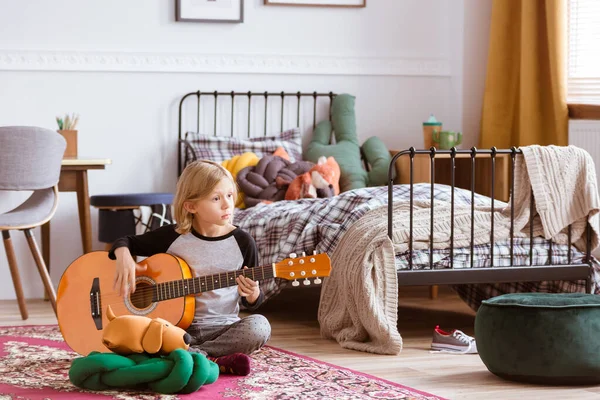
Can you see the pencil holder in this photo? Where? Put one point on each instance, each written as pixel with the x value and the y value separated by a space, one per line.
pixel 71 138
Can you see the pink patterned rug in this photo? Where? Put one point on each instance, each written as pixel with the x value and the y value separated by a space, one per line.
pixel 35 361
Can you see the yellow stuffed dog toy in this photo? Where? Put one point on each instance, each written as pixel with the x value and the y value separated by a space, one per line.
pixel 128 334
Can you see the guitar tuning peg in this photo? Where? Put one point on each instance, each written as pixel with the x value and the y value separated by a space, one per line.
pixel 317 281
pixel 292 255
pixel 303 254
pixel 295 283
pixel 314 252
pixel 306 282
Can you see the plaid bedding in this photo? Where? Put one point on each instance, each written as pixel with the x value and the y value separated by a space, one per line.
pixel 481 255
pixel 473 295
pixel 286 227
pixel 305 225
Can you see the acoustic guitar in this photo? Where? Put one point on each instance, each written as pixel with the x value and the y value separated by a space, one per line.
pixel 166 289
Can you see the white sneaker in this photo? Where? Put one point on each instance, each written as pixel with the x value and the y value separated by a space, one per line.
pixel 454 341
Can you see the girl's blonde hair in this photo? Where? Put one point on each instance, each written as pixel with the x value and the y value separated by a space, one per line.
pixel 197 181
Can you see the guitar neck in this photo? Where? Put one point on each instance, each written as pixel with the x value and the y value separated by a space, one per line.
pixel 184 287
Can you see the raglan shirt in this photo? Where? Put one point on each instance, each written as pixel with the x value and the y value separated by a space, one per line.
pixel 206 256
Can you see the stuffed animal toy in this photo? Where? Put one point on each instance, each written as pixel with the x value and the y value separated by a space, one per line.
pixel 346 149
pixel 268 181
pixel 320 181
pixel 128 334
pixel 330 170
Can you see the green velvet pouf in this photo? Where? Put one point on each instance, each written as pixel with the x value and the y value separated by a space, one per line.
pixel 552 339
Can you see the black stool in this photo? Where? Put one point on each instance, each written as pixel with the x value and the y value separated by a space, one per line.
pixel 117 219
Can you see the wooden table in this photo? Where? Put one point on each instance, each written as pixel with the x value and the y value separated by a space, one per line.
pixel 73 178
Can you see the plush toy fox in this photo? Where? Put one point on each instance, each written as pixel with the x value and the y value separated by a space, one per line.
pixel 322 180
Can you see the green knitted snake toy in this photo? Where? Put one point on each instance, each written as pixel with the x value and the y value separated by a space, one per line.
pixel 178 372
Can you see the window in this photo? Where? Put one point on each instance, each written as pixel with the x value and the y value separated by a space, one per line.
pixel 584 52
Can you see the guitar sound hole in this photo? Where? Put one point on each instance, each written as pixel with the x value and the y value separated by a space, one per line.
pixel 142 297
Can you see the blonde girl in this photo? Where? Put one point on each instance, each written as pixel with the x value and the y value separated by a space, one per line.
pixel 206 239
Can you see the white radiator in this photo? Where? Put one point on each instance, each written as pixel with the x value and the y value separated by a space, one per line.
pixel 586 134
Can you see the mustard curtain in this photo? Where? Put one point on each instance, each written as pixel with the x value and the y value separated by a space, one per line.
pixel 525 91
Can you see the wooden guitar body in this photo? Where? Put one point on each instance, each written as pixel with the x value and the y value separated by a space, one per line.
pixel 86 289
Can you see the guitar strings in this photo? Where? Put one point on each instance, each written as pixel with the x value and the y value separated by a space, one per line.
pixel 149 291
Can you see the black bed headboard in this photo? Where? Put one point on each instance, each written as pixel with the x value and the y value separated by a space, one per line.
pixel 242 108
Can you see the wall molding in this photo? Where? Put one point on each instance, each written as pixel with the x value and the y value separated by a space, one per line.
pixel 43 60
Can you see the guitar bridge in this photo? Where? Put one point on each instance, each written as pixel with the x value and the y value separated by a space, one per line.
pixel 96 304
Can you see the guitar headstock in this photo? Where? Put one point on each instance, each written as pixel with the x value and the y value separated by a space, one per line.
pixel 303 267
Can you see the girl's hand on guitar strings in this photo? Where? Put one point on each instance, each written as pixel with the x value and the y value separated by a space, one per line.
pixel 125 272
pixel 248 288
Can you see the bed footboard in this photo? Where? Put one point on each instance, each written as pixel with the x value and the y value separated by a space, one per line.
pixel 428 275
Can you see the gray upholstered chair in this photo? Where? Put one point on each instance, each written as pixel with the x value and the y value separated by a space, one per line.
pixel 30 160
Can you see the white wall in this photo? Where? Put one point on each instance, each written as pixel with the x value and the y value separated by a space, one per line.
pixel 123 66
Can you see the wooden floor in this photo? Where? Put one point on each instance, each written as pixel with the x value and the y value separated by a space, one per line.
pixel 293 315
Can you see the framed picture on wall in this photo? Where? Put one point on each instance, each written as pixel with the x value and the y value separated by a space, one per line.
pixel 318 3
pixel 209 10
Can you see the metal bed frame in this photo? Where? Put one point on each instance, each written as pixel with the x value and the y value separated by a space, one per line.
pixel 513 273
pixel 410 276
pixel 183 143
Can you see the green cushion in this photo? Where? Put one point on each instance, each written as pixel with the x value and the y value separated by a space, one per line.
pixel 548 338
pixel 346 149
pixel 178 372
